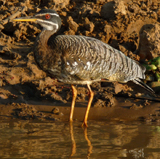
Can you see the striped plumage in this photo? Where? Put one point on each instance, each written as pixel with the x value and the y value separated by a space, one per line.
pixel 85 59
pixel 77 59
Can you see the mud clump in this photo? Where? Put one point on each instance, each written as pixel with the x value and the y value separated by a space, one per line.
pixel 129 26
pixel 149 41
pixel 112 9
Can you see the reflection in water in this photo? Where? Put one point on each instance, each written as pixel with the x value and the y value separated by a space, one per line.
pixel 89 143
pixel 23 139
pixel 72 140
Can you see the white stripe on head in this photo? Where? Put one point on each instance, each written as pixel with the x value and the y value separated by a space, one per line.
pixel 54 14
pixel 50 26
pixel 47 13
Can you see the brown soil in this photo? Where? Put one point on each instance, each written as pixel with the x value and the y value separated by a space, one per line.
pixel 27 93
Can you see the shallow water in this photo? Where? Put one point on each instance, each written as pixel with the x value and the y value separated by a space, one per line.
pixel 26 139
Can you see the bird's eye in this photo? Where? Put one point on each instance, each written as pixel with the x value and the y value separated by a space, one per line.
pixel 47 16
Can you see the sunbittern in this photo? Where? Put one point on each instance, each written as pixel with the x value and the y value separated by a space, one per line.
pixel 75 59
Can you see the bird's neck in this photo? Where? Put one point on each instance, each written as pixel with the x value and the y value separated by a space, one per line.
pixel 41 48
pixel 42 39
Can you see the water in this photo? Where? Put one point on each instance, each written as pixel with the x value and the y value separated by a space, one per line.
pixel 56 140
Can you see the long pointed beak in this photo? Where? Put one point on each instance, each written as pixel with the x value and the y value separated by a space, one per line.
pixel 25 19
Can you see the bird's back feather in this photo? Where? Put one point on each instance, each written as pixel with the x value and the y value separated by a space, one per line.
pixel 87 58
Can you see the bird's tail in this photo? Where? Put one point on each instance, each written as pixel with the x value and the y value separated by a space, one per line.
pixel 145 86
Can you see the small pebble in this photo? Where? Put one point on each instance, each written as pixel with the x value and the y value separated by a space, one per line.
pixel 55 111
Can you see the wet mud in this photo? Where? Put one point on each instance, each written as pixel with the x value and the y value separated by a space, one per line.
pixel 27 93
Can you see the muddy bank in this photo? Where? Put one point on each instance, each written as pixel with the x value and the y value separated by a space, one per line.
pixel 27 93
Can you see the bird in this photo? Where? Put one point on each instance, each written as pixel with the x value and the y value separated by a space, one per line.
pixel 78 59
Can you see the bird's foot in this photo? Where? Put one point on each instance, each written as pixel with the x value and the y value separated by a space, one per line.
pixel 84 124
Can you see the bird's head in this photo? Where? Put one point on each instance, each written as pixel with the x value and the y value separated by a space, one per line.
pixel 47 18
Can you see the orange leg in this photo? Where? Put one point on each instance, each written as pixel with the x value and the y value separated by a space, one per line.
pixel 91 95
pixel 74 91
